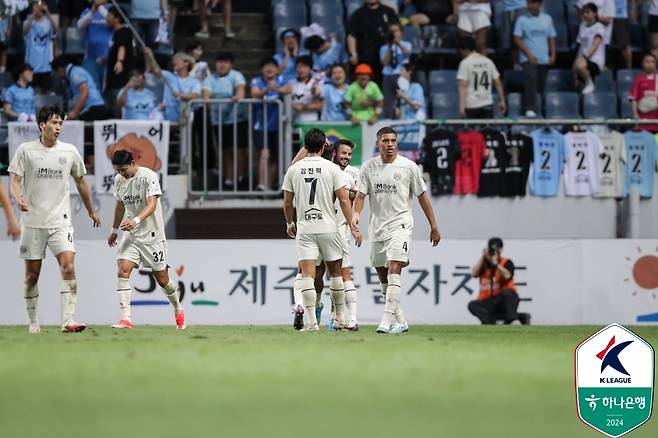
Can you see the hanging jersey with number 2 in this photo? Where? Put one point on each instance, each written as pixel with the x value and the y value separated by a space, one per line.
pixel 441 152
pixel 581 174
pixel 548 156
pixel 611 165
pixel 641 154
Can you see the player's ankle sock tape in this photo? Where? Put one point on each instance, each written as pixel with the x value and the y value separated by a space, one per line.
pixel 170 288
pixel 68 286
pixel 123 284
pixel 308 298
pixel 337 288
pixel 31 299
pixel 399 316
pixel 392 293
pixel 298 276
pixel 30 291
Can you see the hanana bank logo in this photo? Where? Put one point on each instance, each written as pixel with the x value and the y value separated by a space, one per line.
pixel 614 371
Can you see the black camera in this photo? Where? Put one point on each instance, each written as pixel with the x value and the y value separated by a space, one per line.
pixel 390 37
pixel 494 244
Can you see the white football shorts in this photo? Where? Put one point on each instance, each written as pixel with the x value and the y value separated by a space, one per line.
pixel 147 255
pixel 472 21
pixel 35 240
pixel 395 248
pixel 326 246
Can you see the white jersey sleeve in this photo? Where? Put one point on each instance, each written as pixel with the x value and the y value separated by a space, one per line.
pixel 133 193
pixel 417 183
pixel 17 165
pixel 78 166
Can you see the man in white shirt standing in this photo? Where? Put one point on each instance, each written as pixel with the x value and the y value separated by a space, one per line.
pixel 390 180
pixel 312 183
pixel 138 213
pixel 40 172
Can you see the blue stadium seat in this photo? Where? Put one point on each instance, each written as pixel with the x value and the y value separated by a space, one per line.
pixel 329 22
pixel 625 78
pixel 5 80
pixel 323 8
pixel 289 9
pixel 600 105
pixel 555 8
pixel 289 22
pixel 626 108
pixel 604 81
pixel 412 34
pixel 443 81
pixel 562 39
pixel 515 105
pixel 75 44
pixel 559 80
pixel 562 105
pixel 445 106
pixel 514 81
pixel 441 39
pixel 41 100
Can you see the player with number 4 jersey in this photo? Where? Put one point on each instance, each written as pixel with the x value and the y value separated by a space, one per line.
pixel 139 215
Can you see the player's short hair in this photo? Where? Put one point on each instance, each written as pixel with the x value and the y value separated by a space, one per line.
pixel 117 14
pixel 225 56
pixel 466 43
pixel 122 157
pixel 48 112
pixel 386 130
pixel 343 142
pixel 314 140
pixel 305 60
pixel 328 153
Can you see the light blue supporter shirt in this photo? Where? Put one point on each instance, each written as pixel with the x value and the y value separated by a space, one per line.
pixel 77 76
pixel 39 45
pixel 548 152
pixel 416 94
pixel 272 123
pixel 139 104
pixel 512 5
pixel 145 9
pixel 641 156
pixel 334 55
pixel 225 87
pixel 186 85
pixel 535 32
pixel 621 8
pixel 289 73
pixel 97 36
pixel 398 58
pixel 333 98
pixel 21 99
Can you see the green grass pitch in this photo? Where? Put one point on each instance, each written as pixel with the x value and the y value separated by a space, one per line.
pixel 435 381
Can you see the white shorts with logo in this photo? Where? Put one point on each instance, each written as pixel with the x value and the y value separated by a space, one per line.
pixel 147 255
pixel 326 246
pixel 472 21
pixel 344 232
pixel 35 240
pixel 395 248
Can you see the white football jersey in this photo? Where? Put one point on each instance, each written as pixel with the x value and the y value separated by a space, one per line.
pixel 45 172
pixel 390 188
pixel 581 172
pixel 132 192
pixel 313 181
pixel 350 184
pixel 479 72
pixel 611 165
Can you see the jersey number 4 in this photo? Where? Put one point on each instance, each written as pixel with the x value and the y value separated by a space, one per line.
pixel 314 184
pixel 481 80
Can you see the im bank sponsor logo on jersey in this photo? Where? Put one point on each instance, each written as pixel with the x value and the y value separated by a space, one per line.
pixel 614 372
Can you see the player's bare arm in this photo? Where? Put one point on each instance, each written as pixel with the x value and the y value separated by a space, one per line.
pixel 357 207
pixel 13 229
pixel 303 153
pixel 85 195
pixel 15 187
pixel 346 207
pixel 130 224
pixel 426 206
pixel 119 211
pixel 288 212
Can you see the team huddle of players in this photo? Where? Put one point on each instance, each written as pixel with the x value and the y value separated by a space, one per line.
pixel 310 187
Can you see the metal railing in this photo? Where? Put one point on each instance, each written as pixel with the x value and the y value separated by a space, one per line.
pixel 539 122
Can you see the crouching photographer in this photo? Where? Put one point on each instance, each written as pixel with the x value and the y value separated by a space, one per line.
pixel 497 298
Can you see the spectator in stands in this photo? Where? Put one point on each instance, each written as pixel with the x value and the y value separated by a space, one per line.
pixel 644 92
pixel 97 38
pixel 605 14
pixel 475 20
pixel 5 35
pixel 653 25
pixel 497 297
pixel 477 75
pixel 180 87
pixel 195 50
pixel 18 99
pixel 205 7
pixel 333 95
pixel 227 83
pixel 306 101
pixel 286 60
pixel 69 12
pixel 121 57
pixel 591 53
pixel 39 31
pixel 620 30
pixel 393 55
pixel 431 12
pixel 135 101
pixel 534 35
pixel 364 100
pixel 367 30
pixel 513 9
pixel 268 86
pixel 326 53
pixel 411 96
pixel 145 17
pixel 87 102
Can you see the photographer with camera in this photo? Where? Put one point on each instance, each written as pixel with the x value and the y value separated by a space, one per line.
pixel 497 297
pixel 393 55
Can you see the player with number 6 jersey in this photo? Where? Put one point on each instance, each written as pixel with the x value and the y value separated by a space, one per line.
pixel 139 215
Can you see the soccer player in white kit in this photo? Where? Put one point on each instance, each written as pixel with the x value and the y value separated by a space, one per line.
pixel 138 213
pixel 312 183
pixel 389 181
pixel 40 172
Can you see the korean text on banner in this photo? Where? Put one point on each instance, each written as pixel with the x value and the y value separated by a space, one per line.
pixel 73 131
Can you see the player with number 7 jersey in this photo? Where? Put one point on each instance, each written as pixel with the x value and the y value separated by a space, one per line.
pixel 138 214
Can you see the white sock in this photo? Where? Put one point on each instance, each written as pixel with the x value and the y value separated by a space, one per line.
pixel 171 291
pixel 350 301
pixel 399 316
pixel 124 292
pixel 308 295
pixel 68 299
pixel 297 291
pixel 31 294
pixel 337 288
pixel 392 299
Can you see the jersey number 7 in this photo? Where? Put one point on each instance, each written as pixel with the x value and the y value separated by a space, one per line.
pixel 314 183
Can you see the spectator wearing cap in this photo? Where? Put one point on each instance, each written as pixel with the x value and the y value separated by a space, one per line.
pixel 325 52
pixel 411 96
pixel 474 20
pixel 363 99
pixel 306 101
pixel 291 50
pixel 145 17
pixel 229 120
pixel 367 31
pixel 98 35
pixel 39 31
pixel 87 102
pixel 121 56
pixel 18 99
pixel 333 95
pixel 135 101
pixel 180 86
pixel 393 55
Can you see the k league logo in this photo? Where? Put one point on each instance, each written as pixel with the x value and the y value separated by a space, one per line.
pixel 614 372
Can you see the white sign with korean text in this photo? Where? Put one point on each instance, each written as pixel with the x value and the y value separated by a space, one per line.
pixel 73 131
